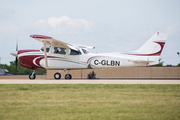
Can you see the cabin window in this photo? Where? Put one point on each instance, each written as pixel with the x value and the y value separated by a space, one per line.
pixel 47 48
pixel 58 50
pixel 74 52
pixel 85 51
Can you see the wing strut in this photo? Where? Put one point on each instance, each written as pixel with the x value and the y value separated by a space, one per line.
pixel 45 54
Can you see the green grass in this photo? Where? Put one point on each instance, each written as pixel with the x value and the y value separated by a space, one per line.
pixel 86 101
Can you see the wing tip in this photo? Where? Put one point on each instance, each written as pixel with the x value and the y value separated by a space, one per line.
pixel 40 36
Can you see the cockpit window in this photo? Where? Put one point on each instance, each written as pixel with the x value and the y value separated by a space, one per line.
pixel 59 50
pixel 73 52
pixel 85 51
pixel 47 48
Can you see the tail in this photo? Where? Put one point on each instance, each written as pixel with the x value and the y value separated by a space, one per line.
pixel 151 50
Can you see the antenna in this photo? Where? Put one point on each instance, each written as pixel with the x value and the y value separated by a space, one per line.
pixel 69 39
pixel 73 40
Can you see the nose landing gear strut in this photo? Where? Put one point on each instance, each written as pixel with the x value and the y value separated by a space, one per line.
pixel 33 75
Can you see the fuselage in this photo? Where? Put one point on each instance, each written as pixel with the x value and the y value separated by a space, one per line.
pixel 34 59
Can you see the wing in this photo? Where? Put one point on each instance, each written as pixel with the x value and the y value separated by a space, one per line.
pixel 52 41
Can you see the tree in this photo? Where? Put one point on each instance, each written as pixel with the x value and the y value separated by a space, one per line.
pixel 178 64
pixel 92 75
pixel 160 63
pixel 20 70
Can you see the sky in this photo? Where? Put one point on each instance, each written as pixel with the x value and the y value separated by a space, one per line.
pixel 109 25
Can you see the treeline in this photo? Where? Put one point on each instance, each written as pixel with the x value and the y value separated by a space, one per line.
pixel 161 63
pixel 20 70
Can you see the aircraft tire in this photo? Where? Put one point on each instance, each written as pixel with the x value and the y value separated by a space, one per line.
pixel 57 76
pixel 68 76
pixel 32 77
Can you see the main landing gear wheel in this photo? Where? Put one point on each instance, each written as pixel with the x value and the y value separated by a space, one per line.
pixel 57 76
pixel 68 76
pixel 32 76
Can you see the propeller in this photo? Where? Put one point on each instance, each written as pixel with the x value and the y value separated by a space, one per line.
pixel 16 60
pixel 15 53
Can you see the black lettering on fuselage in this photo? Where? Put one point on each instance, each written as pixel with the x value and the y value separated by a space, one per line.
pixel 107 62
pixel 112 63
pixel 96 62
pixel 103 62
pixel 117 63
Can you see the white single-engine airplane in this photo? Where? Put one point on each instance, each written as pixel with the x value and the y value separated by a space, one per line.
pixel 60 55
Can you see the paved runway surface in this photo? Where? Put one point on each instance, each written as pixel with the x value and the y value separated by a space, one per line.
pixel 85 81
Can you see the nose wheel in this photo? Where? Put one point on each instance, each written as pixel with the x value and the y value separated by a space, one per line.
pixel 33 75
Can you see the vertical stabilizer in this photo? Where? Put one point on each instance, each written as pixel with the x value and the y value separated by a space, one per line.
pixel 152 49
pixel 154 45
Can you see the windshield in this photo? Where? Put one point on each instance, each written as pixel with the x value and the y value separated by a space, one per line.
pixel 47 48
pixel 85 51
pixel 73 52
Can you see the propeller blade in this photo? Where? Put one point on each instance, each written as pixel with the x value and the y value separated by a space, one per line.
pixel 17 45
pixel 17 52
pixel 16 63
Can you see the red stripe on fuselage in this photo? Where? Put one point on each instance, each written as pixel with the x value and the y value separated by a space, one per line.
pixel 93 57
pixel 26 66
pixel 24 51
pixel 27 60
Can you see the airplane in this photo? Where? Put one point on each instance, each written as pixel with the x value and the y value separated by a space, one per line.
pixel 63 56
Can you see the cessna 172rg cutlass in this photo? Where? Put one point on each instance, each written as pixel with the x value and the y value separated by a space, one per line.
pixel 60 55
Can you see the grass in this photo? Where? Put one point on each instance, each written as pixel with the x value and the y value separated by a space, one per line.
pixel 86 101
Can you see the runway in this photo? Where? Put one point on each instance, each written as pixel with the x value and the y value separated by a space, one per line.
pixel 87 81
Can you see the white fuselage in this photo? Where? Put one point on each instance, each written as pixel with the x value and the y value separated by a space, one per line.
pixel 80 61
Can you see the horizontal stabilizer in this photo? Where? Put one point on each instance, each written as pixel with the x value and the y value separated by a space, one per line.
pixel 142 61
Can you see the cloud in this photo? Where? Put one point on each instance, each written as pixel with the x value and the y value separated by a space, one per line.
pixel 55 21
pixel 40 21
pixel 66 25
